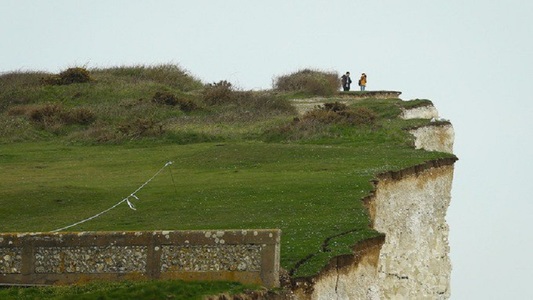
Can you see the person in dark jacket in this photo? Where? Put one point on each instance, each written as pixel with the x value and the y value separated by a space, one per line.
pixel 346 81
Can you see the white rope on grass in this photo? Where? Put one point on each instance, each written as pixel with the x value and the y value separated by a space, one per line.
pixel 127 200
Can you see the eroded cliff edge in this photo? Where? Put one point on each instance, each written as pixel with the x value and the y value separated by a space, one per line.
pixel 409 206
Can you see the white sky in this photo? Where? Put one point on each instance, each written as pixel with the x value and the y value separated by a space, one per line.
pixel 473 59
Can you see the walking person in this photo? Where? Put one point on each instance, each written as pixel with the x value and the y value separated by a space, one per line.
pixel 346 81
pixel 362 82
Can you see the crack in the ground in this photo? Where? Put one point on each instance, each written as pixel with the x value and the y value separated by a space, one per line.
pixel 323 248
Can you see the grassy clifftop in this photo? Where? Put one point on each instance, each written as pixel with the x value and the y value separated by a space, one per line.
pixel 131 103
pixel 242 159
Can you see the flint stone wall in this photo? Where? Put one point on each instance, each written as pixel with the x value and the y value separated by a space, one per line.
pixel 248 256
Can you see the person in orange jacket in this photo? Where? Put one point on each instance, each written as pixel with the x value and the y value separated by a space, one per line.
pixel 362 82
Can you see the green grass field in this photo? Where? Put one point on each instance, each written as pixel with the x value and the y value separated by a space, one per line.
pixel 175 290
pixel 244 162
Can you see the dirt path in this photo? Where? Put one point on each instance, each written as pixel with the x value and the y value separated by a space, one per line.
pixel 307 104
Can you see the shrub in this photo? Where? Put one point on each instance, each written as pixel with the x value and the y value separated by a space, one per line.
pixel 51 80
pixel 321 123
pixel 335 106
pixel 165 98
pixel 323 116
pixel 299 129
pixel 81 116
pixel 140 127
pixel 54 116
pixel 309 81
pixel 69 76
pixel 185 104
pixel 75 75
pixel 340 113
pixel 99 131
pixel 46 115
pixel 218 93
pixel 363 115
pixel 17 110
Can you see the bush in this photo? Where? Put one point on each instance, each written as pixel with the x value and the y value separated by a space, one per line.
pixel 75 75
pixel 323 116
pixel 81 116
pixel 335 106
pixel 165 98
pixel 322 122
pixel 185 104
pixel 363 116
pixel 309 81
pixel 54 116
pixel 218 93
pixel 340 113
pixel 46 115
pixel 140 127
pixel 17 110
pixel 69 76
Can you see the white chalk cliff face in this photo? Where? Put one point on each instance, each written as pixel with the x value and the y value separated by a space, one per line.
pixel 414 262
pixel 409 207
pixel 422 112
pixel 438 137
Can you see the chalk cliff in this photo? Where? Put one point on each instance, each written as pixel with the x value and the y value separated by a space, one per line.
pixel 409 206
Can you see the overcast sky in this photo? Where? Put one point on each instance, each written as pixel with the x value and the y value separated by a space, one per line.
pixel 472 58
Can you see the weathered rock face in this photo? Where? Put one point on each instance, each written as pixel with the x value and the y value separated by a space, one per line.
pixel 409 207
pixel 422 112
pixel 347 277
pixel 438 137
pixel 414 262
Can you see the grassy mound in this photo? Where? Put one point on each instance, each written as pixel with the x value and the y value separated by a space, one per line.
pixel 130 103
pixel 310 82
